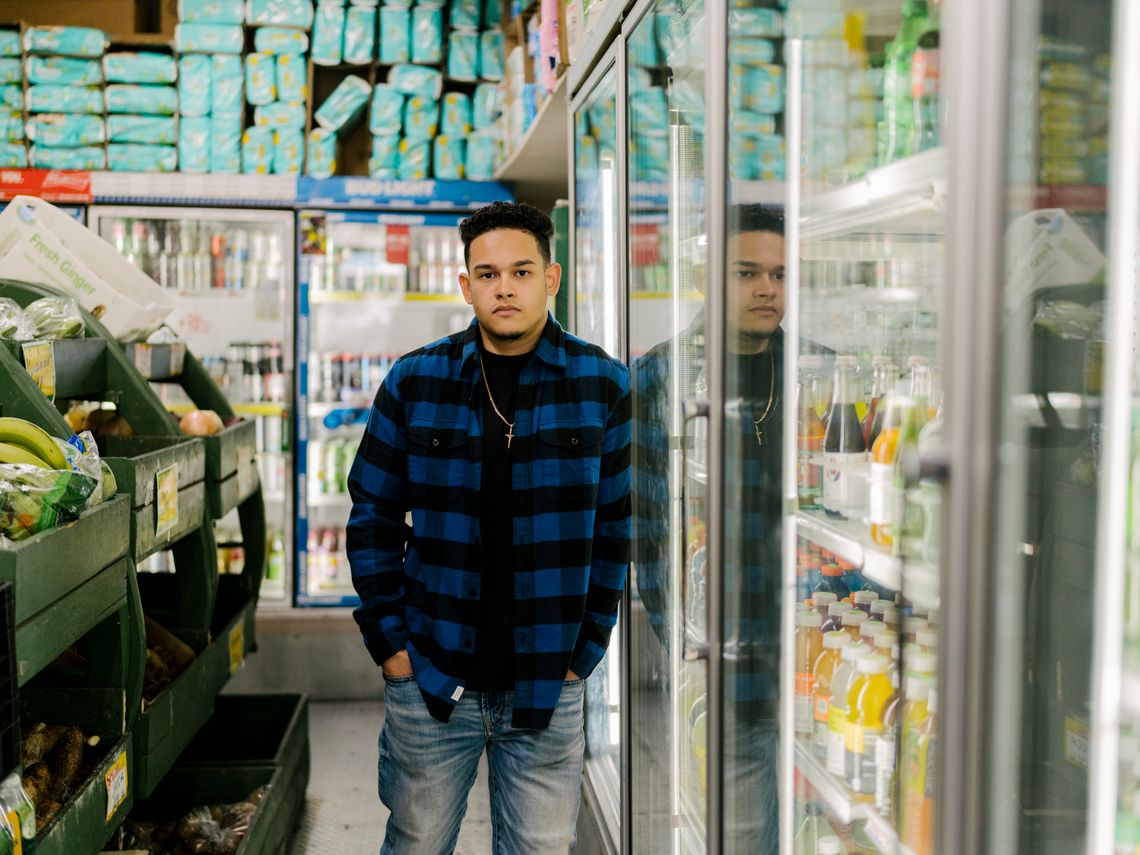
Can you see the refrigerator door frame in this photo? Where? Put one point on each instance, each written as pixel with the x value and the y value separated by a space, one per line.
pixel 1111 547
pixel 613 60
pixel 976 47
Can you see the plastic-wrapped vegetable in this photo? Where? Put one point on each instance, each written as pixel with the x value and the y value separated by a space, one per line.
pixel 55 317
pixel 14 322
pixel 33 499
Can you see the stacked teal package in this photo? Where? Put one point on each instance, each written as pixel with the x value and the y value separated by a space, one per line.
pixel 347 35
pixel 13 151
pixel 142 103
pixel 756 86
pixel 277 86
pixel 335 116
pixel 64 98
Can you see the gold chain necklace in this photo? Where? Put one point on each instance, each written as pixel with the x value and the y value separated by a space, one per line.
pixel 764 416
pixel 491 398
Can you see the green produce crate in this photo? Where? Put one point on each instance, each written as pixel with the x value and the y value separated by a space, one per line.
pixel 91 816
pixel 231 467
pixel 157 361
pixel 136 460
pixel 80 365
pixel 254 730
pixel 67 580
pixel 187 787
pixel 166 726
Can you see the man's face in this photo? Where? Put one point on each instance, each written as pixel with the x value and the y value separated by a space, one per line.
pixel 755 288
pixel 508 284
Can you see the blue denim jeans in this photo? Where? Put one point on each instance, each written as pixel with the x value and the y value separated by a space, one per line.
pixel 427 769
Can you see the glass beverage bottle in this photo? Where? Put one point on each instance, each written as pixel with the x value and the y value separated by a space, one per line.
pixel 809 474
pixel 808 647
pixel 882 502
pixel 844 481
pixel 869 695
pixel 841 682
pixel 825 666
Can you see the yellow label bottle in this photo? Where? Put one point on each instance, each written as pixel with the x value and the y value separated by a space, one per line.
pixel 868 696
pixel 837 713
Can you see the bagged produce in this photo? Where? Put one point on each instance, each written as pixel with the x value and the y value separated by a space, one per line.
pixel 33 499
pixel 14 324
pixel 55 317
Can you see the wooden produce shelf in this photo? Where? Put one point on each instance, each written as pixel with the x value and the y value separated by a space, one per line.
pixel 67 580
pixel 231 467
pixel 97 806
pixel 136 461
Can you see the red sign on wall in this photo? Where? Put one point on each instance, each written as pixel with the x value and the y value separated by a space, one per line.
pixel 399 245
pixel 53 185
pixel 644 244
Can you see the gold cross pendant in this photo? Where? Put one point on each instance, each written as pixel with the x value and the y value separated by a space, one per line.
pixel 510 433
pixel 759 433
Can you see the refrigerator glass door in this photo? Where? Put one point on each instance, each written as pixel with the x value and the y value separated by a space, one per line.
pixel 668 612
pixel 596 292
pixel 373 287
pixel 1052 462
pixel 863 402
pixel 232 273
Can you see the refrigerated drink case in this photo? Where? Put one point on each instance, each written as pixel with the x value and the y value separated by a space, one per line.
pixel 231 272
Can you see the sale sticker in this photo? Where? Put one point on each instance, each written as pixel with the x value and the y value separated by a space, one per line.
pixel 39 360
pixel 166 499
pixel 116 781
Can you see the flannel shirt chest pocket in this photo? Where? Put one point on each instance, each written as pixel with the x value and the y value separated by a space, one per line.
pixel 570 459
pixel 437 464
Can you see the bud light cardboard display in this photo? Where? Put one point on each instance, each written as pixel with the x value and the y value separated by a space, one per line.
pixel 41 244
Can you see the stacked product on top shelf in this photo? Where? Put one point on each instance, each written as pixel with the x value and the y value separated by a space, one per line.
pixel 142 103
pixel 1073 97
pixel 756 95
pixel 13 151
pixel 65 97
pixel 534 63
pixel 210 40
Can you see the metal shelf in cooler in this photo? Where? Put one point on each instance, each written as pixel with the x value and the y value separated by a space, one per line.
pixel 899 197
pixel 850 540
pixel 832 791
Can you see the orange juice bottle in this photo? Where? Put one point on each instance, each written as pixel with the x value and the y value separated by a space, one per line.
pixel 911 772
pixel 920 788
pixel 808 647
pixel 825 666
pixel 869 694
pixel 882 500
pixel 853 621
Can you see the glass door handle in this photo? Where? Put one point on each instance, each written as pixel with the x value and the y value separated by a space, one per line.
pixel 694 644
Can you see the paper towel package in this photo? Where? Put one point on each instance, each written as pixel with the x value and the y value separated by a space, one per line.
pixel 11 71
pixel 40 243
pixel 328 35
pixel 194 85
pixel 134 157
pixel 427 35
pixel 56 69
pixel 209 38
pixel 395 35
pixel 257 145
pixel 260 78
pixel 281 13
pixel 140 67
pixel 10 43
pixel 387 114
pixel 194 145
pixel 50 98
pixel 65 41
pixel 360 35
pixel 289 151
pixel 141 100
pixel 66 130
pixel 151 130
pixel 344 105
pixel 292 77
pixel 212 11
pixel 280 40
pixel 322 153
pixel 12 127
pixel 12 98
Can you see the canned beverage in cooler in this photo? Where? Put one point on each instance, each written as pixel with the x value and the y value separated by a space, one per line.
pixel 350 376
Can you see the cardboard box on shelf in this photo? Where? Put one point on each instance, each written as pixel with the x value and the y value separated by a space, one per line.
pixel 111 16
pixel 41 244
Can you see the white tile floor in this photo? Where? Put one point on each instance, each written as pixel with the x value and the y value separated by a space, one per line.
pixel 343 815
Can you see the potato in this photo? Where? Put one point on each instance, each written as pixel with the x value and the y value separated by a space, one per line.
pixel 37 782
pixel 65 761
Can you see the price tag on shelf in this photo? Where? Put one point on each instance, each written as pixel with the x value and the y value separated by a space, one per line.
pixel 237 647
pixel 143 360
pixel 177 358
pixel 1077 742
pixel 166 499
pixel 39 360
pixel 116 780
pixel 245 470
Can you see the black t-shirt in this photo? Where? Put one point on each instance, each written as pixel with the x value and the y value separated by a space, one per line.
pixel 494 636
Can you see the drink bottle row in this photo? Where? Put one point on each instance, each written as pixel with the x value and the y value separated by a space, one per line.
pixel 201 255
pixel 328 568
pixel 865 692
pixel 347 376
pixel 850 450
pixel 250 371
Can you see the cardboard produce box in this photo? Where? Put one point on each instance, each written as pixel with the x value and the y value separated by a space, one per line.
pixel 112 16
pixel 43 245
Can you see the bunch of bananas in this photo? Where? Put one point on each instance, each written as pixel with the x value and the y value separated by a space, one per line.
pixel 24 442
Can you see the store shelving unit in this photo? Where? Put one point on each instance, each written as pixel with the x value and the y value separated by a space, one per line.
pixel 538 165
pixel 85 585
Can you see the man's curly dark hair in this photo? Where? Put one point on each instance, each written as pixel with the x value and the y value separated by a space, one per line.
pixel 517 216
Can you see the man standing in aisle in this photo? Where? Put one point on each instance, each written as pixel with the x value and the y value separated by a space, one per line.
pixel 751 542
pixel 509 445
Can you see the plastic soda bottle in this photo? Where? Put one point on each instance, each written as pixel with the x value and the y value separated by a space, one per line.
pixel 869 694
pixel 824 672
pixel 811 431
pixel 897 127
pixel 832 581
pixel 837 712
pixel 844 481
pixel 914 714
pixel 926 89
pixel 883 501
pixel 808 647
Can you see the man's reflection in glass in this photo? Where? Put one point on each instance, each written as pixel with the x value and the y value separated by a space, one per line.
pixel 754 298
